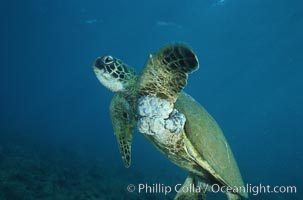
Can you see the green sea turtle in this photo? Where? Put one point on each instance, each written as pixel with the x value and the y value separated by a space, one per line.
pixel 173 121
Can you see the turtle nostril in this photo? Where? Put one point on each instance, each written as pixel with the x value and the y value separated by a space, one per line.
pixel 99 63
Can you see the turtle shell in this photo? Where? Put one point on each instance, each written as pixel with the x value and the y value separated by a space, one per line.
pixel 207 139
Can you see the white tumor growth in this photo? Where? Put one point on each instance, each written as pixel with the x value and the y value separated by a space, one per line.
pixel 175 122
pixel 150 106
pixel 157 117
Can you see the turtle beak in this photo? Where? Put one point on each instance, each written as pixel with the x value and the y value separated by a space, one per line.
pixel 96 70
pixel 99 64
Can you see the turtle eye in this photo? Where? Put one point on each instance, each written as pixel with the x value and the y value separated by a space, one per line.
pixel 108 60
pixel 125 115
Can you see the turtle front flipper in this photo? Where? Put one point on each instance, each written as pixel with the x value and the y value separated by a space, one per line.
pixel 165 73
pixel 123 124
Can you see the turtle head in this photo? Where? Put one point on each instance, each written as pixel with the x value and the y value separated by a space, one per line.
pixel 114 74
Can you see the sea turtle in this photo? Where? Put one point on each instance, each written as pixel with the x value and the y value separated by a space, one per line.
pixel 172 120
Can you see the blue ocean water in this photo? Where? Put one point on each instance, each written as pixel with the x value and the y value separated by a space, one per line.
pixel 56 138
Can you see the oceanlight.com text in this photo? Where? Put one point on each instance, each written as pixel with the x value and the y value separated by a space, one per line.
pixel 254 189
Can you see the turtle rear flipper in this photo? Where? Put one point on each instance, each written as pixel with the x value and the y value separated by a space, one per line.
pixel 184 192
pixel 165 73
pixel 123 125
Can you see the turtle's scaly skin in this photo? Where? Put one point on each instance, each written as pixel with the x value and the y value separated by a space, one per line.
pixel 165 73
